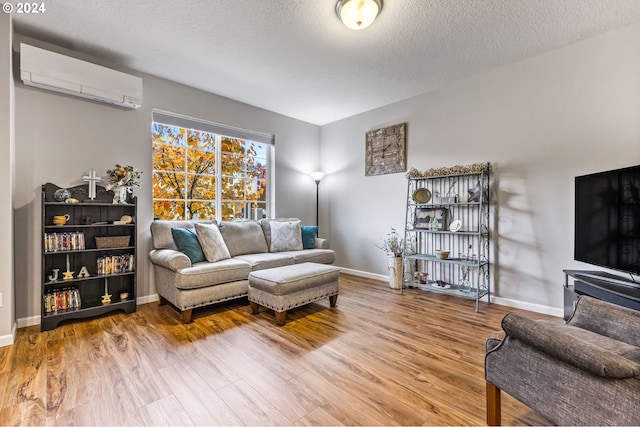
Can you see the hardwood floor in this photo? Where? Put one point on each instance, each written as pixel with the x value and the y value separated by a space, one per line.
pixel 378 358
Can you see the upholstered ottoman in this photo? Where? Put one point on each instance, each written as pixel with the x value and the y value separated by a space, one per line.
pixel 283 288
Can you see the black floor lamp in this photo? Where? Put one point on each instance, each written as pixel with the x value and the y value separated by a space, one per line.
pixel 317 177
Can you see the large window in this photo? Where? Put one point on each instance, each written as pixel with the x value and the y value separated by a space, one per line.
pixel 208 171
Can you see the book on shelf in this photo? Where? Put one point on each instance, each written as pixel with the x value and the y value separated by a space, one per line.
pixel 65 299
pixel 58 242
pixel 115 264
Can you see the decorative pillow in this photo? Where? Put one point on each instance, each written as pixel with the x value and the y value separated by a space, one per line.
pixel 266 227
pixel 309 233
pixel 186 241
pixel 286 236
pixel 212 242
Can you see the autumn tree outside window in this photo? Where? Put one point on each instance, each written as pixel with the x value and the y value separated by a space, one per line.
pixel 204 170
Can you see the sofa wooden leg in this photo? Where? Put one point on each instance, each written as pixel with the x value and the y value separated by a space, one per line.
pixel 186 316
pixel 255 308
pixel 333 299
pixel 493 405
pixel 162 301
pixel 281 316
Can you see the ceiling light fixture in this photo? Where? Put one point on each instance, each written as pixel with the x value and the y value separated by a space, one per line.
pixel 358 14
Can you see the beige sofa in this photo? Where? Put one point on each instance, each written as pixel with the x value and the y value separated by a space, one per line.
pixel 187 285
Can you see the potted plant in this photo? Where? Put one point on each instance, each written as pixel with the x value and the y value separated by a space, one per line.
pixel 393 246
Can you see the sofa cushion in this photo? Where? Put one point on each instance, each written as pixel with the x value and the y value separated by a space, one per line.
pixel 206 273
pixel 243 237
pixel 186 241
pixel 212 242
pixel 161 231
pixel 285 236
pixel 320 256
pixel 266 260
pixel 309 233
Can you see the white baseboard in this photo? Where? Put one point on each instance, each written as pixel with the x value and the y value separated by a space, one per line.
pixel 147 299
pixel 28 321
pixel 365 274
pixel 536 308
pixel 6 340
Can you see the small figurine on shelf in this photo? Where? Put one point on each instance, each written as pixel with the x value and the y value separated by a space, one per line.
pixel 67 275
pixel 54 277
pixel 106 298
pixel 92 179
pixel 122 180
pixel 465 284
pixel 83 272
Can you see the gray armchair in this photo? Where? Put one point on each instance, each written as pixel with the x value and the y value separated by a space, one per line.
pixel 586 372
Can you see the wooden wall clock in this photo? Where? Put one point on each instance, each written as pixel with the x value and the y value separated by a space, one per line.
pixel 386 150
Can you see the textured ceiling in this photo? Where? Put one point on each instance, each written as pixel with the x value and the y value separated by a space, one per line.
pixel 296 58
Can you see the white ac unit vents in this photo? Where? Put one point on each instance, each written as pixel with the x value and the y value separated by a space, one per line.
pixel 59 73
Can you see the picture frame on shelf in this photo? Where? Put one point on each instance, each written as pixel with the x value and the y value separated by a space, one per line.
pixel 426 216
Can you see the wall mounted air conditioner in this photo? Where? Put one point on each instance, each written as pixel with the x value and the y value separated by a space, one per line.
pixel 59 73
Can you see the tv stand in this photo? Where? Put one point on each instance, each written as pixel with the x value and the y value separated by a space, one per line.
pixel 601 285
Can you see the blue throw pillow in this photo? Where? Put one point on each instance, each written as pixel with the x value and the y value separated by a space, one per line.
pixel 186 241
pixel 309 233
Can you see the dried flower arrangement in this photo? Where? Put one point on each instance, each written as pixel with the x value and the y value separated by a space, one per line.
pixel 123 176
pixel 394 245
pixel 453 170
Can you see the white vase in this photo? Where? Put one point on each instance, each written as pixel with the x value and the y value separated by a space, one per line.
pixel 120 195
pixel 395 272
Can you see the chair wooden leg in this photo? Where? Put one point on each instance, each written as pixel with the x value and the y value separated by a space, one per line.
pixel 162 301
pixel 493 405
pixel 186 316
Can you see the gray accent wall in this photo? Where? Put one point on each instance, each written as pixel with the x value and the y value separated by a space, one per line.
pixel 7 166
pixel 541 122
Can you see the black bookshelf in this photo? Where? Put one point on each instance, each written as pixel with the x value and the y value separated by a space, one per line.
pixel 82 297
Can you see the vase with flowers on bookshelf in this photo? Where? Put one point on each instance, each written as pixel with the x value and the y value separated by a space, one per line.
pixel 122 181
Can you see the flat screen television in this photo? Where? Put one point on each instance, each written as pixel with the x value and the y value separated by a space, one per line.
pixel 607 219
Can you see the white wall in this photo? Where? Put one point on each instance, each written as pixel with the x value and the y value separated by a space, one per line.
pixel 540 122
pixel 60 138
pixel 7 166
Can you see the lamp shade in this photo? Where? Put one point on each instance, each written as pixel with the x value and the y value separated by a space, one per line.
pixel 317 176
pixel 358 14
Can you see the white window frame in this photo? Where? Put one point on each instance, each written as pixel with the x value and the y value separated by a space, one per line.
pixel 220 130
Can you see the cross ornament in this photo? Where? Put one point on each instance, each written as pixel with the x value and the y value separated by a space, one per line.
pixel 92 179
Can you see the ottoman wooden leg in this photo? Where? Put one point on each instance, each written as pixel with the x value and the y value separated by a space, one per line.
pixel 255 308
pixel 186 316
pixel 333 299
pixel 281 316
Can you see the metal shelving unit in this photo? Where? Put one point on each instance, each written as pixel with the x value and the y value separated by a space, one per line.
pixel 434 204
